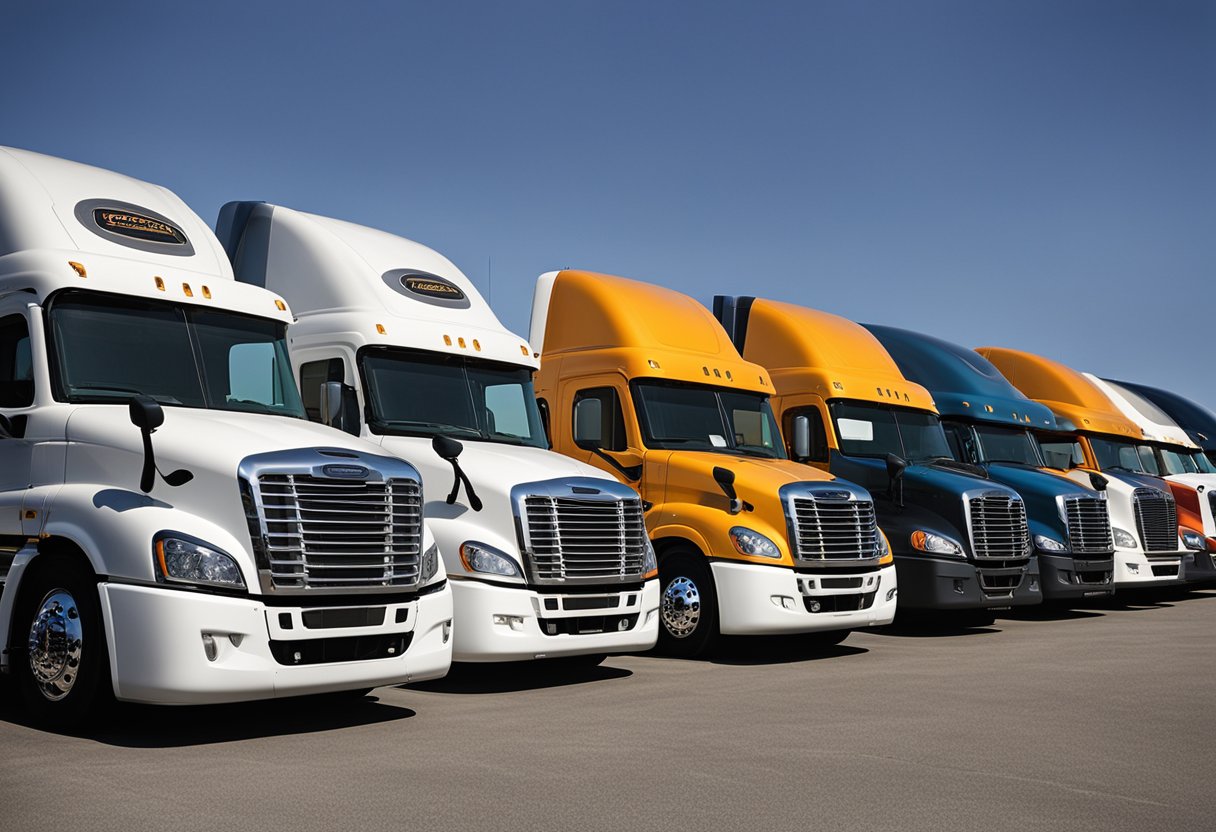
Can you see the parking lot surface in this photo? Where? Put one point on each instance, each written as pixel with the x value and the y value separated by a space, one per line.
pixel 1097 719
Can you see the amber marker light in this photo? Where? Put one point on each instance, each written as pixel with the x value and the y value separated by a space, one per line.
pixel 206 293
pixel 160 283
pixel 523 350
pixel 380 328
pixel 654 365
pixel 186 288
pixel 78 268
pixel 282 307
pixel 476 345
pixel 460 341
pixel 447 340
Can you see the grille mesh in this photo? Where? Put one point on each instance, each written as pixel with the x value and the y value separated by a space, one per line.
pixel 341 534
pixel 998 527
pixel 834 529
pixel 1088 526
pixel 1156 520
pixel 572 538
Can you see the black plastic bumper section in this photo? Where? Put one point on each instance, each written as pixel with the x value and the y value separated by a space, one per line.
pixel 939 584
pixel 340 649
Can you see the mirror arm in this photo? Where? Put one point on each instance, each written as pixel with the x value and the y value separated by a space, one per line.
pixel 463 478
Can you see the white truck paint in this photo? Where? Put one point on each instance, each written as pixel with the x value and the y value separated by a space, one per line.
pixel 408 337
pixel 111 287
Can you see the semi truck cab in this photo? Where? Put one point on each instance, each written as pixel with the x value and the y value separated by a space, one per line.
pixel 642 382
pixel 1089 431
pixel 988 423
pixel 548 556
pixel 960 538
pixel 1169 453
pixel 174 530
pixel 1198 422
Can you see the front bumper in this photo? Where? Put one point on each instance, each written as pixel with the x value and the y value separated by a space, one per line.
pixel 545 625
pixel 157 650
pixel 768 600
pixel 1064 577
pixel 939 584
pixel 1135 570
pixel 1200 567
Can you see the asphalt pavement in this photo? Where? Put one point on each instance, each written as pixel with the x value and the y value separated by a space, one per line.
pixel 1098 719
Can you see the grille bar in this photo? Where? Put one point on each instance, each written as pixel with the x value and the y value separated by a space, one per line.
pixel 833 529
pixel 1088 526
pixel 575 538
pixel 1156 520
pixel 998 527
pixel 348 534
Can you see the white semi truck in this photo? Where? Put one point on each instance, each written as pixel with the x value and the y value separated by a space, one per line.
pixel 548 556
pixel 172 528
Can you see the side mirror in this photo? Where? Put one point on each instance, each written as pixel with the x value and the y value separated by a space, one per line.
pixel 589 424
pixel 802 438
pixel 725 478
pixel 339 407
pixel 896 466
pixel 1099 482
pixel 446 447
pixel 146 413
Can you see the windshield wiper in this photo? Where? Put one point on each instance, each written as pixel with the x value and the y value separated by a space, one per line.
pixel 752 452
pixel 432 427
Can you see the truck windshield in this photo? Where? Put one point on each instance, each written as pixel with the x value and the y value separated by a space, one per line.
pixel 1183 461
pixel 416 393
pixel 108 348
pixel 1062 452
pixel 998 444
pixel 690 417
pixel 875 431
pixel 1116 454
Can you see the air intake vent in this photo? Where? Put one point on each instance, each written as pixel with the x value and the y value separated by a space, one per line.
pixel 833 529
pixel 998 527
pixel 1088 526
pixel 584 539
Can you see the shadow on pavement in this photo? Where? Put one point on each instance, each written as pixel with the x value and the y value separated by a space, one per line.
pixel 753 650
pixel 512 677
pixel 921 628
pixel 156 726
pixel 1052 612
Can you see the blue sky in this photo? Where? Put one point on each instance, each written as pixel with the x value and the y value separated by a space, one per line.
pixel 1039 175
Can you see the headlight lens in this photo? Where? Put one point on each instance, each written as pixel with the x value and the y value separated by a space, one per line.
pixel 1194 540
pixel 650 564
pixel 884 548
pixel 180 560
pixel 1049 544
pixel 936 544
pixel 430 563
pixel 1125 540
pixel 750 542
pixel 478 557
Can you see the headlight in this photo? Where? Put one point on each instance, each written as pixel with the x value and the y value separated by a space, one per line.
pixel 884 548
pixel 1125 540
pixel 748 542
pixel 478 557
pixel 936 544
pixel 180 560
pixel 650 564
pixel 430 563
pixel 1049 544
pixel 1194 540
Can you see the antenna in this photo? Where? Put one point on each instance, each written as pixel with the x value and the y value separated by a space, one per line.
pixel 490 279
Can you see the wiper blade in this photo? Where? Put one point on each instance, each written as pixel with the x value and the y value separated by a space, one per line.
pixel 435 427
pixel 753 452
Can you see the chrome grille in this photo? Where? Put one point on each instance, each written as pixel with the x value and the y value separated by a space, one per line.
pixel 574 538
pixel 834 529
pixel 998 527
pixel 338 534
pixel 1156 520
pixel 1088 526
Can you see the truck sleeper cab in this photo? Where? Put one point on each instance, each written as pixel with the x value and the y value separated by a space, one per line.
pixel 1198 422
pixel 960 539
pixel 1143 514
pixel 987 423
pixel 207 552
pixel 548 556
pixel 643 383
pixel 1169 453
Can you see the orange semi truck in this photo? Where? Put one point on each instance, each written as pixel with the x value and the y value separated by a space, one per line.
pixel 644 383
pixel 1143 513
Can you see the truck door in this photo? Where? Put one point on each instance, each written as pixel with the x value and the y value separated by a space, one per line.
pixel 619 452
pixel 16 402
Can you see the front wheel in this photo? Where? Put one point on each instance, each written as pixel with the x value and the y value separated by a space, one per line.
pixel 65 672
pixel 688 607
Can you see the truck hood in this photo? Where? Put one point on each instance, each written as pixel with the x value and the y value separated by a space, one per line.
pixel 1029 481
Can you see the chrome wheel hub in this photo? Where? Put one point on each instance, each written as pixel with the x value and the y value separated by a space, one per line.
pixel 54 644
pixel 681 607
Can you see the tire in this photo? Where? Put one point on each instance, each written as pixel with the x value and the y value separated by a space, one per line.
pixel 824 640
pixel 688 605
pixel 62 666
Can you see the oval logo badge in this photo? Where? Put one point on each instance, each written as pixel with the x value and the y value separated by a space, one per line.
pixel 346 472
pixel 426 287
pixel 133 226
pixel 138 226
